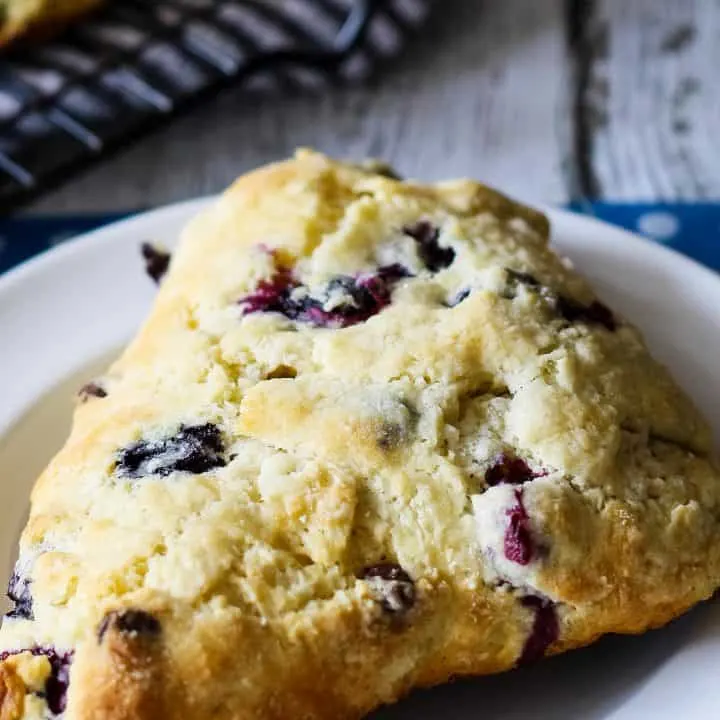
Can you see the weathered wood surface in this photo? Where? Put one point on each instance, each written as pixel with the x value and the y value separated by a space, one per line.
pixel 652 100
pixel 547 99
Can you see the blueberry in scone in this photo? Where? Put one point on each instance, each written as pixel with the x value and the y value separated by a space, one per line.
pixel 157 261
pixel 20 595
pixel 129 622
pixel 374 435
pixel 393 587
pixel 91 390
pixel 194 449
pixel 343 301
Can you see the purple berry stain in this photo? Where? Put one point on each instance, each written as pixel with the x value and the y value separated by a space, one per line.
pixel 193 449
pixel 271 295
pixel 508 470
pixel 355 299
pixel 56 685
pixel 433 255
pixel 19 592
pixel 518 544
pixel 545 629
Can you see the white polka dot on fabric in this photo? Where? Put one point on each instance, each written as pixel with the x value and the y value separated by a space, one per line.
pixel 660 226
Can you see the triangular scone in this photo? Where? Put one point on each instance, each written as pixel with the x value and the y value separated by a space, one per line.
pixel 374 434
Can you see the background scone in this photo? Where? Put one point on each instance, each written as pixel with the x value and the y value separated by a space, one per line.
pixel 22 17
pixel 374 434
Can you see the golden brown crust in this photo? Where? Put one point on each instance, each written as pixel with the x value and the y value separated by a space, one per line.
pixel 364 533
pixel 12 694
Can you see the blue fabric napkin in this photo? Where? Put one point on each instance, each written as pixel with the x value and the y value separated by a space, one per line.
pixel 690 228
pixel 24 237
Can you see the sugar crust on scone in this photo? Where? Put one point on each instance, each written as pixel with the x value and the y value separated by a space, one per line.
pixel 372 436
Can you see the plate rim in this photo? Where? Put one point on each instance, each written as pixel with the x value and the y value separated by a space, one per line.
pixel 67 248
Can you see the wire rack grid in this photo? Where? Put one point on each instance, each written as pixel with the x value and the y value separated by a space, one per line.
pixel 133 65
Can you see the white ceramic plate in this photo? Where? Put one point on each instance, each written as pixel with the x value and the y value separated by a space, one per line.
pixel 63 315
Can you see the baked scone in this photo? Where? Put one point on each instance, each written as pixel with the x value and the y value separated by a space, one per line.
pixel 20 17
pixel 374 435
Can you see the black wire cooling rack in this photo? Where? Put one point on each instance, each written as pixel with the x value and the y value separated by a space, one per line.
pixel 136 63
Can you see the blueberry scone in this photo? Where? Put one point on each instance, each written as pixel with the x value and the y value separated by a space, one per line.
pixel 374 434
pixel 20 17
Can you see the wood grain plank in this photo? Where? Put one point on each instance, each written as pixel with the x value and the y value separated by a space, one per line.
pixel 652 99
pixel 481 92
